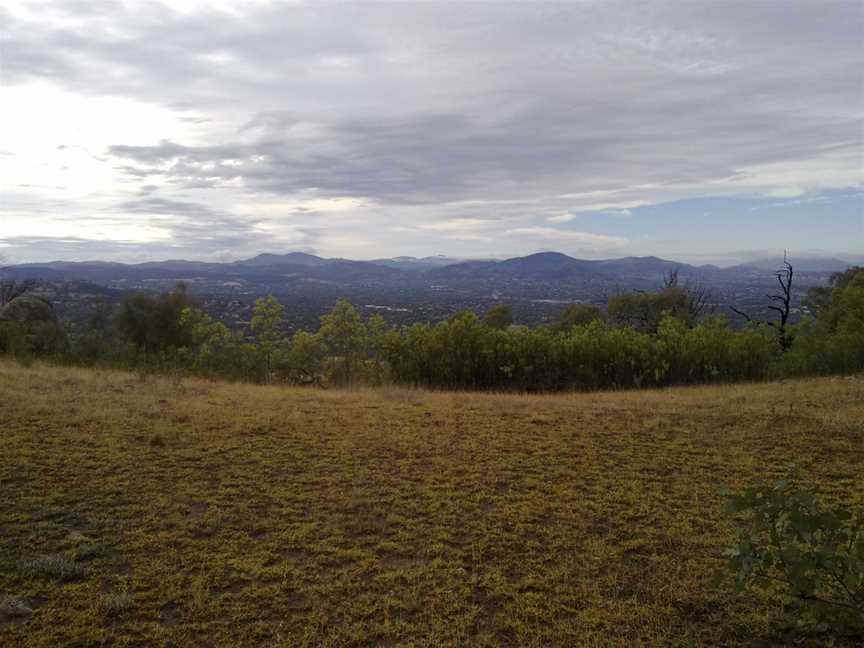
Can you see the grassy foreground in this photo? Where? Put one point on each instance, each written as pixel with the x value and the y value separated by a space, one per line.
pixel 163 513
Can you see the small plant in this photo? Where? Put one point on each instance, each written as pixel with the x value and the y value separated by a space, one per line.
pixel 115 604
pixel 57 566
pixel 792 544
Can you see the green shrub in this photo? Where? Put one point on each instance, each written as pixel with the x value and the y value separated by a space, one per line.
pixel 648 340
pixel 793 545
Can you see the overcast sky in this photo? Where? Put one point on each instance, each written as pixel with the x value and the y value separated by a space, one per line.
pixel 700 131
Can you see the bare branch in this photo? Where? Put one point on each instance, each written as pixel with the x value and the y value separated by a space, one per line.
pixel 784 299
pixel 741 313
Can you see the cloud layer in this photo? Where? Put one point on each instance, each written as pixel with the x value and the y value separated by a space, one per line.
pixel 369 130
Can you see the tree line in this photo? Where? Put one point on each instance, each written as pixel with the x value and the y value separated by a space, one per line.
pixel 648 339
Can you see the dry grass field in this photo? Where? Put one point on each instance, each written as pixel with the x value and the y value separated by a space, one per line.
pixel 155 512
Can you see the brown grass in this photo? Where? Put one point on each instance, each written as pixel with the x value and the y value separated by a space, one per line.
pixel 193 513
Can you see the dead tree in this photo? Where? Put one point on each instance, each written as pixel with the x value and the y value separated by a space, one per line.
pixel 699 296
pixel 780 303
pixel 784 299
pixel 671 280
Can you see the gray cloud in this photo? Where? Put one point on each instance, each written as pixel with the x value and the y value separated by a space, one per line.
pixel 191 230
pixel 195 225
pixel 509 112
pixel 16 249
pixel 518 103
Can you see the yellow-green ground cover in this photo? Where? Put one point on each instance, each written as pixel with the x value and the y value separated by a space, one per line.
pixel 154 512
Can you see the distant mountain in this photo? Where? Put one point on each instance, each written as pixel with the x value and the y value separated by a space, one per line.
pixel 355 272
pixel 547 266
pixel 413 263
pixel 101 272
pixel 803 264
pixel 291 258
pixel 554 267
pixel 265 271
pixel 541 275
pixel 641 264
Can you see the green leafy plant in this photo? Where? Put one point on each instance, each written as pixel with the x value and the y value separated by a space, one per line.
pixel 792 544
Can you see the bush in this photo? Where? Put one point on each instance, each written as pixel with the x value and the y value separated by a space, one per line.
pixel 649 340
pixel 793 545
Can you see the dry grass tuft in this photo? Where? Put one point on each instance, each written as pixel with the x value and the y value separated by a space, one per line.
pixel 56 566
pixel 115 604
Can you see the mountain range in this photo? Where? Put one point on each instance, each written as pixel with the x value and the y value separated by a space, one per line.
pixel 407 289
pixel 551 267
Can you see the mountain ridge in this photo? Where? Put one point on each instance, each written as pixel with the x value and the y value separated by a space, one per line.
pixel 265 259
pixel 268 271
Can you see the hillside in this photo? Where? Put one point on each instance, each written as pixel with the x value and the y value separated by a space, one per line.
pixel 144 511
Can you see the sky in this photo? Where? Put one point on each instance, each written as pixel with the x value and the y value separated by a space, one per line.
pixel 712 132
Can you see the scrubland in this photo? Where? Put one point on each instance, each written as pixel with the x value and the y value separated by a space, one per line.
pixel 142 511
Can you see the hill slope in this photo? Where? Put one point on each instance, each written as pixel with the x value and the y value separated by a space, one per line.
pixel 165 513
